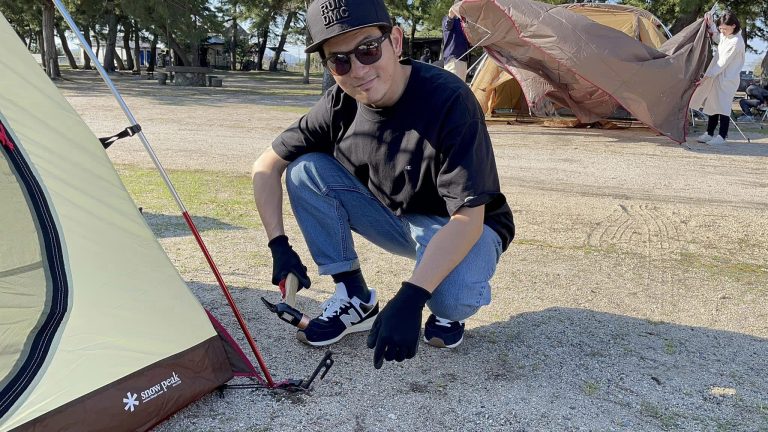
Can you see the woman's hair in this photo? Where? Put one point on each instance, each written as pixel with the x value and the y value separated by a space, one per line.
pixel 729 18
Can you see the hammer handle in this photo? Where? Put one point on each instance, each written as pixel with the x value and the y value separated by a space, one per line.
pixel 291 287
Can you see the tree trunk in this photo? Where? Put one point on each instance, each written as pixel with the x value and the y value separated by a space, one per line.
pixel 328 80
pixel 687 17
pixel 51 59
pixel 233 44
pixel 263 35
pixel 65 46
pixel 410 41
pixel 307 57
pixel 87 58
pixel 127 32
pixel 281 44
pixel 98 43
pixel 109 50
pixel 151 62
pixel 119 60
pixel 195 53
pixel 41 47
pixel 137 49
pixel 181 56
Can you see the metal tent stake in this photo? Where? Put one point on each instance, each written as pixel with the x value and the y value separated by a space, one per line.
pixel 87 47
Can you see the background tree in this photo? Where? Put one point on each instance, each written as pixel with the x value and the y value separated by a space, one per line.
pixel 51 55
pixel 184 25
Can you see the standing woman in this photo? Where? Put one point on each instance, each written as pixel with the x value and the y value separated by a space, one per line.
pixel 721 80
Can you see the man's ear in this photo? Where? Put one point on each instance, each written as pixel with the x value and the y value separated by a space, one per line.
pixel 396 36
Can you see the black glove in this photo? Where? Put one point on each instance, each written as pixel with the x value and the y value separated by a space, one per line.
pixel 395 333
pixel 285 260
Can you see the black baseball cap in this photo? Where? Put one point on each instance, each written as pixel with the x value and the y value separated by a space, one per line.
pixel 329 18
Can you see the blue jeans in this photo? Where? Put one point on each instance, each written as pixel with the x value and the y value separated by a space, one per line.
pixel 329 203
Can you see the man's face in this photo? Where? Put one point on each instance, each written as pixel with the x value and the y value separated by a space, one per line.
pixel 377 84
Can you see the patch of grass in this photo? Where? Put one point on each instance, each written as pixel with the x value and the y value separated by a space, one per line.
pixel 668 419
pixel 722 266
pixel 669 346
pixel 590 388
pixel 225 198
pixel 291 109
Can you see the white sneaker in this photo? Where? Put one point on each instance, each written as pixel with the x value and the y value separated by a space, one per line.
pixel 703 138
pixel 717 140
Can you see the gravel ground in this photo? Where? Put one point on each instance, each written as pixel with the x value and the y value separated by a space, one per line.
pixel 633 298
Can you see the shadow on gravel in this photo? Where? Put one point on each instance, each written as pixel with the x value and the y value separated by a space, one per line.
pixel 558 369
pixel 606 371
pixel 167 226
pixel 732 148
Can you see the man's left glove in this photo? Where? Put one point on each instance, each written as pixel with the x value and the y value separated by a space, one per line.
pixel 285 260
pixel 395 333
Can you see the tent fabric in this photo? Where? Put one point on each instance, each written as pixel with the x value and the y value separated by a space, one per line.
pixel 592 67
pixel 496 89
pixel 97 329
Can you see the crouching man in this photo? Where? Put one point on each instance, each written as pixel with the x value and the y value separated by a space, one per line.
pixel 398 152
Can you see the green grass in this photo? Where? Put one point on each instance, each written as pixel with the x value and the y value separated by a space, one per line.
pixel 590 388
pixel 225 198
pixel 668 419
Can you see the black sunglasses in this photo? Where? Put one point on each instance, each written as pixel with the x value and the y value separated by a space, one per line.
pixel 367 53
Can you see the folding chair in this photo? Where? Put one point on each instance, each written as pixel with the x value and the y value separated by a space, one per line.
pixel 764 109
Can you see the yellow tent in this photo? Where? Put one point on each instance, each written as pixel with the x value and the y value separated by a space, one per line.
pixel 498 91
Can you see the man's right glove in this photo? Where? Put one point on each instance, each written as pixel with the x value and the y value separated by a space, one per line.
pixel 285 260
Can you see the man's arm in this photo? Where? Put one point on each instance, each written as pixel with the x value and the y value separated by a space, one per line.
pixel 268 191
pixel 448 247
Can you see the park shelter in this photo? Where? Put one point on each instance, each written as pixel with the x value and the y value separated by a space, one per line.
pixel 590 68
pixel 497 89
pixel 97 329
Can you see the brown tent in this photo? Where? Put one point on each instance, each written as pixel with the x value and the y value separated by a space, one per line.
pixel 499 91
pixel 589 67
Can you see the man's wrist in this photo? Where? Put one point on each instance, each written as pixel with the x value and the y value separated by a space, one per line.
pixel 279 242
pixel 416 292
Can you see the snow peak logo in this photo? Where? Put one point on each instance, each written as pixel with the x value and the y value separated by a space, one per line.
pixel 334 11
pixel 132 400
pixel 160 388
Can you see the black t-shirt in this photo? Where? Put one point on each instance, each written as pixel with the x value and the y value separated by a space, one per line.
pixel 430 153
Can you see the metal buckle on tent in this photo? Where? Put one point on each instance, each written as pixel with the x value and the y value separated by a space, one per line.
pixel 127 132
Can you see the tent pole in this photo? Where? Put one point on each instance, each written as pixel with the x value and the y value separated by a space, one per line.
pixel 87 47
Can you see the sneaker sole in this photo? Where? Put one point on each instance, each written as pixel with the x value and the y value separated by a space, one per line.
pixel 439 343
pixel 364 326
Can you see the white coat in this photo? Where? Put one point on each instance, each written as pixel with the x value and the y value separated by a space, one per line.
pixel 721 80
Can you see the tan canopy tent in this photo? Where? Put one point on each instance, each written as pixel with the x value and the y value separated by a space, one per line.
pixel 97 329
pixel 498 91
pixel 587 67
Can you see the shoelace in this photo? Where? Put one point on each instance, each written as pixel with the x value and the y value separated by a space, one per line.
pixel 333 306
pixel 442 321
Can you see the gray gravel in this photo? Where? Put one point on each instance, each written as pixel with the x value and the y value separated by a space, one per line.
pixel 634 297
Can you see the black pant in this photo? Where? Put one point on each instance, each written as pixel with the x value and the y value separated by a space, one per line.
pixel 747 105
pixel 725 121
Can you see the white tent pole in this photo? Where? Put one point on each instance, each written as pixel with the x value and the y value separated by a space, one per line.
pixel 87 47
pixel 116 94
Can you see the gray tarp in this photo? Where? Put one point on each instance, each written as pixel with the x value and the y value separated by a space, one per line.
pixel 588 67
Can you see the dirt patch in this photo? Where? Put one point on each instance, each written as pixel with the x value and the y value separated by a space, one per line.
pixel 636 289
